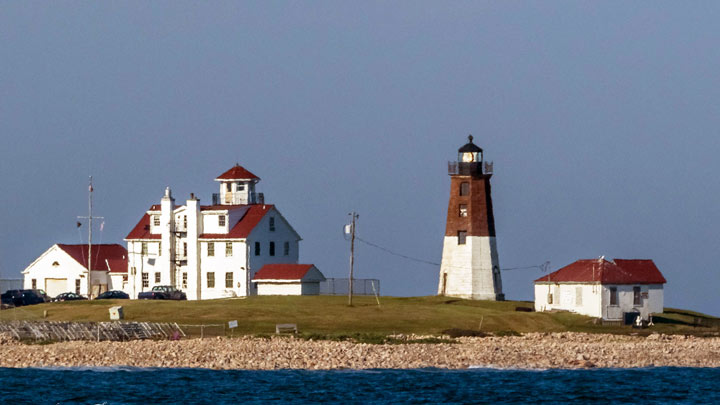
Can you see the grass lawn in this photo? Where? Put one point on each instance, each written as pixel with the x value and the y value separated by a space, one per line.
pixel 328 315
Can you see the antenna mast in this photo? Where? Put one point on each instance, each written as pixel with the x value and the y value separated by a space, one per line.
pixel 90 221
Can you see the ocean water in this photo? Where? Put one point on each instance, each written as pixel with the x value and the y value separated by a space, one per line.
pixel 136 385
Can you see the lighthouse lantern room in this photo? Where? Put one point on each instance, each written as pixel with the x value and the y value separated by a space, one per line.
pixel 470 267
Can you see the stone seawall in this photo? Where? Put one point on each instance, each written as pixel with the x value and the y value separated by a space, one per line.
pixel 534 350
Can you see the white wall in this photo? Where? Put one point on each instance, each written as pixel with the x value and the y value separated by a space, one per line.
pixel 653 304
pixel 280 288
pixel 221 264
pixel 67 269
pixel 469 268
pixel 283 232
pixel 565 297
pixel 595 299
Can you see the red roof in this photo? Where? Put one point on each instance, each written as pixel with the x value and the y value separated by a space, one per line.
pixel 115 255
pixel 618 271
pixel 237 173
pixel 281 271
pixel 142 230
pixel 245 225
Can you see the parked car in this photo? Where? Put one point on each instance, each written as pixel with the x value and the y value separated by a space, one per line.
pixel 68 296
pixel 18 298
pixel 113 295
pixel 162 292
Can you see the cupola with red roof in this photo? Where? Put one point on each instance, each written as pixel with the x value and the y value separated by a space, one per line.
pixel 237 187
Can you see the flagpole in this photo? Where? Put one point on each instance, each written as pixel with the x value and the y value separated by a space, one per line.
pixel 90 218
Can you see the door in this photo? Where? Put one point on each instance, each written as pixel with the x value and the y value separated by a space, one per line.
pixel 55 286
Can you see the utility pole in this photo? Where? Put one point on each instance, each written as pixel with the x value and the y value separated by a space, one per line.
pixel 90 220
pixel 352 255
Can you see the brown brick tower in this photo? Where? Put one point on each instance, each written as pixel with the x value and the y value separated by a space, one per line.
pixel 470 266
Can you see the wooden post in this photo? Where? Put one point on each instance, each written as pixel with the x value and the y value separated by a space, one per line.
pixel 352 256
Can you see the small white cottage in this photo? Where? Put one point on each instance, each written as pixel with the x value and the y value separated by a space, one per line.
pixel 603 289
pixel 64 268
pixel 288 279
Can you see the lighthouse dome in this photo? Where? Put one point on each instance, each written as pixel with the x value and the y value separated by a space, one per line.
pixel 470 146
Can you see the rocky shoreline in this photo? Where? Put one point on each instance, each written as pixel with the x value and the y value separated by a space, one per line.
pixel 530 351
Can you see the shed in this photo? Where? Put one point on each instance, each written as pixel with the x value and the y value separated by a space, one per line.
pixel 603 289
pixel 288 279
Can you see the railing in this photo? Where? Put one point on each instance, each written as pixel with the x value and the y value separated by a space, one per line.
pixel 253 198
pixel 469 168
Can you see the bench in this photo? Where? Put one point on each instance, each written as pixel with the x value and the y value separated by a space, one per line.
pixel 286 328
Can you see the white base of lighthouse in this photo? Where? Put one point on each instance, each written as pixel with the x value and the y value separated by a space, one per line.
pixel 471 270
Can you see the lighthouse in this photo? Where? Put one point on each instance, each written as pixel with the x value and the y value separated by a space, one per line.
pixel 470 267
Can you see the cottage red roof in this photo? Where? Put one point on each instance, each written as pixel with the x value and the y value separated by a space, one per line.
pixel 112 255
pixel 142 230
pixel 237 173
pixel 245 225
pixel 282 271
pixel 618 271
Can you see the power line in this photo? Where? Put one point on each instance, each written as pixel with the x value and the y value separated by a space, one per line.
pixel 543 267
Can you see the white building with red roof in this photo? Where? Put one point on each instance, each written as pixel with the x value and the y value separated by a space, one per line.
pixel 210 251
pixel 603 289
pixel 288 279
pixel 64 268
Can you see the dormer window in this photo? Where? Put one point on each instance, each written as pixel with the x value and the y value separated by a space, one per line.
pixel 156 220
pixel 221 220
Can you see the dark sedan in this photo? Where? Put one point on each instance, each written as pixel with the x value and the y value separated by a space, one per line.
pixel 68 296
pixel 113 295
pixel 162 292
pixel 17 298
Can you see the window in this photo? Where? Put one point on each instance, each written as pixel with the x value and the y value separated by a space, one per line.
pixel 613 296
pixel 272 249
pixel 464 188
pixel 463 210
pixel 160 248
pixel 145 280
pixel 211 279
pixel 77 286
pixel 272 224
pixel 462 235
pixel 184 280
pixel 221 220
pixel 228 249
pixel 228 187
pixel 556 295
pixel 184 221
pixel 240 187
pixel 257 248
pixel 157 278
pixel 637 298
pixel 55 264
pixel 34 284
pixel 578 296
pixel 184 249
pixel 156 220
pixel 228 280
pixel 286 249
pixel 211 248
pixel 144 248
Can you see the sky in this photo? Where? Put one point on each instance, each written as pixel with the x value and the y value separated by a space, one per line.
pixel 601 119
